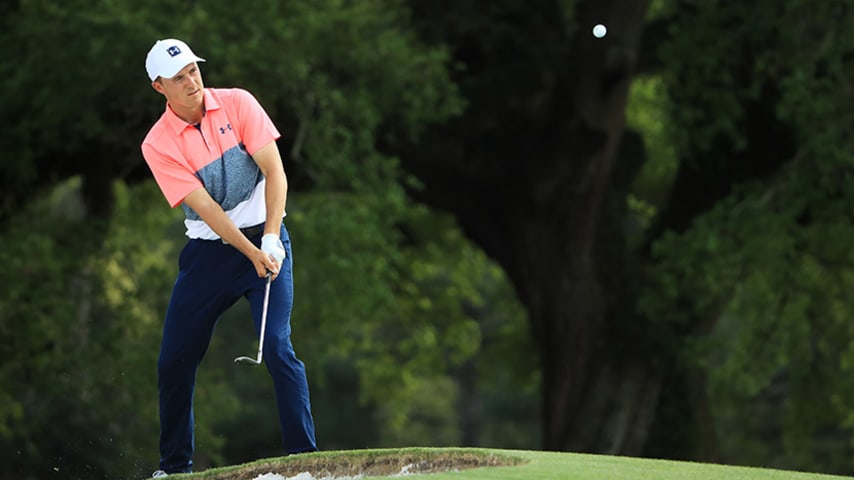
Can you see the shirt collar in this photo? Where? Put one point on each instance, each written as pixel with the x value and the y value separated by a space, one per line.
pixel 178 125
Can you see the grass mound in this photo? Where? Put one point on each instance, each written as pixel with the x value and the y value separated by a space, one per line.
pixel 364 463
pixel 489 464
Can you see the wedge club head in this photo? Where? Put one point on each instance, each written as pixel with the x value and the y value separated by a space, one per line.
pixel 247 360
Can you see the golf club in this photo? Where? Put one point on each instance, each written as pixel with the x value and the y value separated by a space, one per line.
pixel 257 361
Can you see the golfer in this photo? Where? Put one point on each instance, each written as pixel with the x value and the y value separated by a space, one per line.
pixel 213 151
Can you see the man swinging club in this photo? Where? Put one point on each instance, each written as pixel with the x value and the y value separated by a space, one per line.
pixel 213 151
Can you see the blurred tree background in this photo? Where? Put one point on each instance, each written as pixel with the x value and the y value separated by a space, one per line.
pixel 507 232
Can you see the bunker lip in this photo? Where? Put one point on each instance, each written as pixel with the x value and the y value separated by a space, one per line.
pixel 354 465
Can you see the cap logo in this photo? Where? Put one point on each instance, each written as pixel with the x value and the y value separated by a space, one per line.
pixel 173 51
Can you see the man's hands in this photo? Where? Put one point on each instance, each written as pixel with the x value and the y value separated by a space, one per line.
pixel 271 244
pixel 268 258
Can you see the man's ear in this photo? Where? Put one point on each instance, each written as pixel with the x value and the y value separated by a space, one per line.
pixel 157 85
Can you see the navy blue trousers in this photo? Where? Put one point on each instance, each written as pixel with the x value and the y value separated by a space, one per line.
pixel 212 276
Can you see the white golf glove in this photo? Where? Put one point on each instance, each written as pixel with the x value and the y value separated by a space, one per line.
pixel 272 245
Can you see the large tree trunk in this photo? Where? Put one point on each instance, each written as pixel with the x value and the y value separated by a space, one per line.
pixel 528 172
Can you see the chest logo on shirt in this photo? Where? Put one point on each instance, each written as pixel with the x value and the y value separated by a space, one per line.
pixel 223 129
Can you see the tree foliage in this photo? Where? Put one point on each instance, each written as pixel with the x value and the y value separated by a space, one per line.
pixel 79 321
pixel 762 271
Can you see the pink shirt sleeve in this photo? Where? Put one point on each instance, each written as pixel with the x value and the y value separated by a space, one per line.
pixel 255 127
pixel 176 181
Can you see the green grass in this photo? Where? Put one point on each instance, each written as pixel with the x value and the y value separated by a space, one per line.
pixel 520 465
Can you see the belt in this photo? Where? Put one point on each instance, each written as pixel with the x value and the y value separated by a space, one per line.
pixel 249 232
pixel 253 230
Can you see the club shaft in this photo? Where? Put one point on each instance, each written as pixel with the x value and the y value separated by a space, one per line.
pixel 257 361
pixel 264 317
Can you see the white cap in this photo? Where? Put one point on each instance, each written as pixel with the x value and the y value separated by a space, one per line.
pixel 167 57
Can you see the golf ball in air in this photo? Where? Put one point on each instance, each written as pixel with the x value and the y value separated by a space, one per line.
pixel 599 31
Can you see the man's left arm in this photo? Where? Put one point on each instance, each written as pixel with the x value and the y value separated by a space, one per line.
pixel 275 195
pixel 270 162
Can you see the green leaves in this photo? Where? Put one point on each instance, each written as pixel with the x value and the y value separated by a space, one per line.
pixel 767 273
pixel 762 279
pixel 71 310
pixel 330 73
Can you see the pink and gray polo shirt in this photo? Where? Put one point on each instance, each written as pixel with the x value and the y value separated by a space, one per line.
pixel 216 155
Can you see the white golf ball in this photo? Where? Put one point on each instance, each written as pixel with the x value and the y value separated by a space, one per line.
pixel 599 31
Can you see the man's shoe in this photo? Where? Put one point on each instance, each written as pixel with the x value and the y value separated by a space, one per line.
pixel 159 474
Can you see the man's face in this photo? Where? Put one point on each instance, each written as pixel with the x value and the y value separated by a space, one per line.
pixel 184 91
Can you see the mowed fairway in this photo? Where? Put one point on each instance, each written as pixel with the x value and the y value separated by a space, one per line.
pixel 522 465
